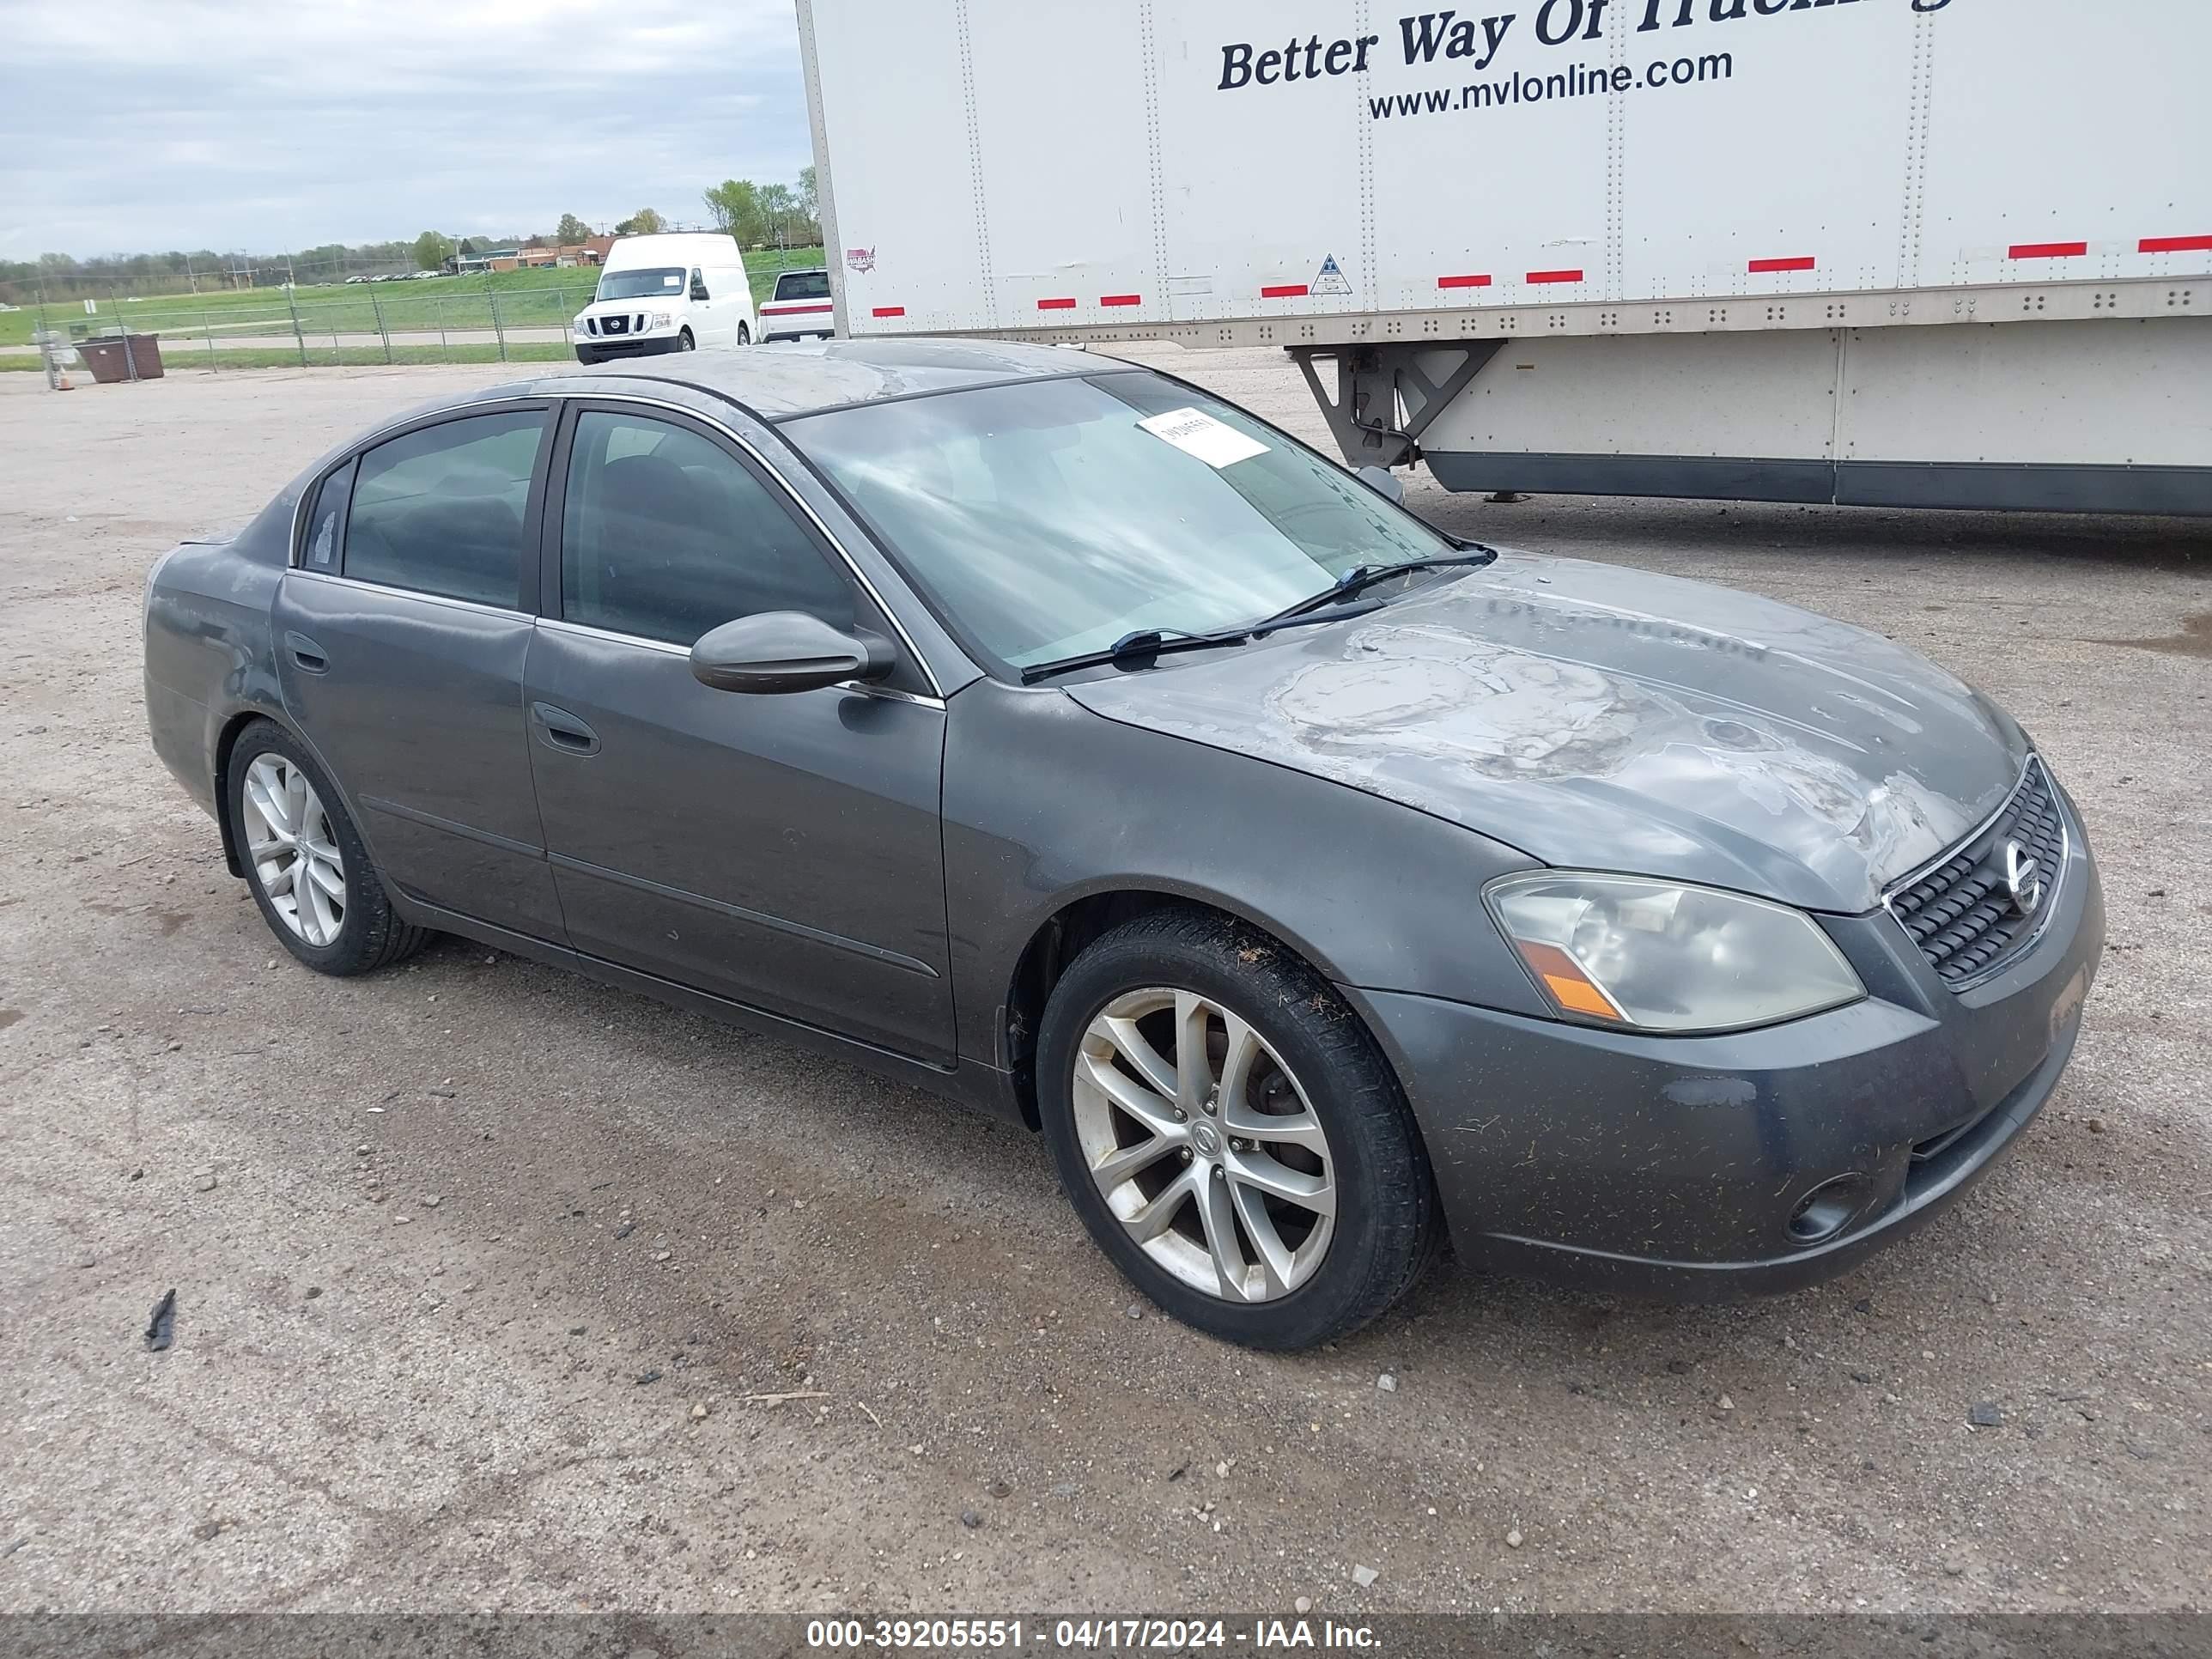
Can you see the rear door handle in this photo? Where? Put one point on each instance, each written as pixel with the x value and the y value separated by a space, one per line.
pixel 562 730
pixel 306 653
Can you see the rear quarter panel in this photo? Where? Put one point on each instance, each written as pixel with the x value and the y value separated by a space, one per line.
pixel 209 654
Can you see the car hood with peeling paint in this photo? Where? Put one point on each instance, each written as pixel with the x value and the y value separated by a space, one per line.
pixel 1603 718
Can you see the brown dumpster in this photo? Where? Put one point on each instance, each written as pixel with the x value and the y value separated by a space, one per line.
pixel 103 357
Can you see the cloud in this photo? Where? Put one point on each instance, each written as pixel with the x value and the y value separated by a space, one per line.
pixel 148 125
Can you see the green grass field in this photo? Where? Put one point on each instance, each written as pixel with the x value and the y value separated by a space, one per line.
pixel 523 299
pixel 328 356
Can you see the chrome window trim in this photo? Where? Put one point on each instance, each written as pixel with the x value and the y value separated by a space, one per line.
pixel 562 625
pixel 477 606
pixel 592 395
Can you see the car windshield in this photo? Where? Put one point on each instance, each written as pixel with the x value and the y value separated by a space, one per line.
pixel 641 284
pixel 802 285
pixel 1051 518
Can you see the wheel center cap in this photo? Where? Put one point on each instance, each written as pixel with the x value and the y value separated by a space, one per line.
pixel 1207 1139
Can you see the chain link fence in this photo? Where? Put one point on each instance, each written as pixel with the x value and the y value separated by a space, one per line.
pixel 522 316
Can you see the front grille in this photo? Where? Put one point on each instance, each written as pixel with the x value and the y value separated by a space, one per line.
pixel 614 325
pixel 1962 914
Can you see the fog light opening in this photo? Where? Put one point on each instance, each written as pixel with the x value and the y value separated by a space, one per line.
pixel 1827 1210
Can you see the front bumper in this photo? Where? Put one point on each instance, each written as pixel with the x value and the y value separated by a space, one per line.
pixel 630 345
pixel 1677 1166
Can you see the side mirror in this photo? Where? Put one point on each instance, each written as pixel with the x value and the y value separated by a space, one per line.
pixel 782 651
pixel 699 291
pixel 1383 484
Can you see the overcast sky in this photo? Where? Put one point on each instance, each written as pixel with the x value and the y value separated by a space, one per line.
pixel 143 125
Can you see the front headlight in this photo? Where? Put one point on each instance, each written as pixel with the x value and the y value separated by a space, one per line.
pixel 1658 956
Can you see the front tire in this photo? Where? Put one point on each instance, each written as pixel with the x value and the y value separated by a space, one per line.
pixel 305 862
pixel 685 343
pixel 1229 1133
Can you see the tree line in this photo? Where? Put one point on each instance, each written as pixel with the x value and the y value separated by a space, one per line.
pixel 757 214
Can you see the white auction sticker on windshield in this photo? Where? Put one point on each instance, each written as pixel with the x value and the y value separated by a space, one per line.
pixel 1197 433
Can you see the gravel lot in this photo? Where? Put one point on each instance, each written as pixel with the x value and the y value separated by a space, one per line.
pixel 464 1252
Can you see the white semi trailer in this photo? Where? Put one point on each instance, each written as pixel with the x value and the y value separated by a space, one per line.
pixel 1934 252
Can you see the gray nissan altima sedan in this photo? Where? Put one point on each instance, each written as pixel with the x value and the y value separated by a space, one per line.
pixel 1048 732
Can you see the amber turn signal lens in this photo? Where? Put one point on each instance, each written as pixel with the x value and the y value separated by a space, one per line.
pixel 1570 987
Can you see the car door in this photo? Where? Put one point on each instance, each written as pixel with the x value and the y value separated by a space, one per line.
pixel 783 852
pixel 710 321
pixel 401 632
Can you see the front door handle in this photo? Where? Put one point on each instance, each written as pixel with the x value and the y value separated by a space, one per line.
pixel 561 730
pixel 306 653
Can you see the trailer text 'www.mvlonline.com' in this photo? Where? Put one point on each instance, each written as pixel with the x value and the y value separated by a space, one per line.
pixel 1476 42
pixel 1575 82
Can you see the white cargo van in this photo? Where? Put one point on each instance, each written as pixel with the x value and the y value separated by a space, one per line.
pixel 672 291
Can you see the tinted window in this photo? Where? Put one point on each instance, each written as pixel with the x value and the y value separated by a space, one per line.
pixel 666 535
pixel 326 524
pixel 802 285
pixel 440 510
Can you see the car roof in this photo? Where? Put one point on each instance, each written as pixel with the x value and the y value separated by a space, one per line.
pixel 778 382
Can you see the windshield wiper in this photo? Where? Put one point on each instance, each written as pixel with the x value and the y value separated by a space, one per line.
pixel 1149 642
pixel 1361 577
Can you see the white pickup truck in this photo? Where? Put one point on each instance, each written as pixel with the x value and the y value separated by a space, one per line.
pixel 1933 252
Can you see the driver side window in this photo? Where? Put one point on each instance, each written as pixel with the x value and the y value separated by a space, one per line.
pixel 664 535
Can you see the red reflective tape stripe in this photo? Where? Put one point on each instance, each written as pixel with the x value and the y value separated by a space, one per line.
pixel 2177 245
pixel 1286 291
pixel 792 308
pixel 1555 276
pixel 890 311
pixel 2047 250
pixel 1462 282
pixel 1055 304
pixel 1762 267
pixel 1120 298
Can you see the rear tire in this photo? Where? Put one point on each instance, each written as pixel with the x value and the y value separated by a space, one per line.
pixel 744 335
pixel 299 849
pixel 1328 1212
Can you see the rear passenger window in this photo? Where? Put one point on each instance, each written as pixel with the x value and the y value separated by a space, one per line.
pixel 326 524
pixel 440 510
pixel 664 535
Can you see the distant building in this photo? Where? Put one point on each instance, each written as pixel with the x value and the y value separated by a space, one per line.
pixel 591 252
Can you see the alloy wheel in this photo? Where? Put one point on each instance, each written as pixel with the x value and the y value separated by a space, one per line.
pixel 1204 1144
pixel 293 849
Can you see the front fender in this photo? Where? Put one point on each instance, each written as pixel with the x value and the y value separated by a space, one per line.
pixel 1046 804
